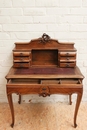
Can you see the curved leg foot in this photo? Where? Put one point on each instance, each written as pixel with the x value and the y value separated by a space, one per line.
pixel 12 125
pixel 75 125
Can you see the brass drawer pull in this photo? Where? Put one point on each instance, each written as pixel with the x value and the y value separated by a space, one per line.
pixel 67 58
pixel 21 65
pixel 79 82
pixel 67 65
pixel 44 89
pixel 22 59
pixel 67 53
pixel 21 54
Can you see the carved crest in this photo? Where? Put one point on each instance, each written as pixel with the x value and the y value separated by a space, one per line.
pixel 45 38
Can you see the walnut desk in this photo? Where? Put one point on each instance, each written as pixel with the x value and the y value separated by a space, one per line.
pixel 44 67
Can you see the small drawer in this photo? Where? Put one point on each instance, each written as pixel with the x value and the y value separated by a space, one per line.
pixel 67 59
pixel 20 65
pixel 21 59
pixel 21 53
pixel 68 64
pixel 67 54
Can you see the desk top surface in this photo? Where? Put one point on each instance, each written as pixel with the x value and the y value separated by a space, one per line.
pixel 44 73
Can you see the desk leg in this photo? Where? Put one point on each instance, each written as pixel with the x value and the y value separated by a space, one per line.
pixel 79 97
pixel 19 99
pixel 11 108
pixel 70 99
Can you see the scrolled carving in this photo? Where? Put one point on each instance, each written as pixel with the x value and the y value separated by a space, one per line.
pixel 45 38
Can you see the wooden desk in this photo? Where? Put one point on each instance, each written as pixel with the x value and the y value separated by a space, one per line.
pixel 47 71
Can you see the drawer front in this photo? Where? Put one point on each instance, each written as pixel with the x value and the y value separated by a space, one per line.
pixel 21 53
pixel 67 53
pixel 70 64
pixel 20 65
pixel 21 59
pixel 67 59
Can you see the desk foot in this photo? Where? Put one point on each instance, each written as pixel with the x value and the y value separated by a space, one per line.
pixel 75 125
pixel 12 125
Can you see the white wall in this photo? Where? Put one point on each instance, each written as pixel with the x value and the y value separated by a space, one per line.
pixel 22 20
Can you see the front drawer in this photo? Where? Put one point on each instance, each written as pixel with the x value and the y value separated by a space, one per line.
pixel 43 89
pixel 21 59
pixel 68 64
pixel 67 53
pixel 20 65
pixel 21 53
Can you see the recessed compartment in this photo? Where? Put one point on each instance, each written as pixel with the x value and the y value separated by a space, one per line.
pixel 45 57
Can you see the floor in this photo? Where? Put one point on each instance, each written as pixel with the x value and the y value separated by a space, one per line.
pixel 45 116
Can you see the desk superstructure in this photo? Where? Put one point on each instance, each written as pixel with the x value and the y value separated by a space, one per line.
pixel 44 66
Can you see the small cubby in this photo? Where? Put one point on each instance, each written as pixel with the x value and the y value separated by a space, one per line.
pixel 45 57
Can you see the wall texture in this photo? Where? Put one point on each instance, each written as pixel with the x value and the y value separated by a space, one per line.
pixel 22 20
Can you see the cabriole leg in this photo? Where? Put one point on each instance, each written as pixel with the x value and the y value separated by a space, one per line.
pixel 79 97
pixel 70 99
pixel 11 108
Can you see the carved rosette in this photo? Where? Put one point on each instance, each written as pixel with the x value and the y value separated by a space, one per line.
pixel 44 91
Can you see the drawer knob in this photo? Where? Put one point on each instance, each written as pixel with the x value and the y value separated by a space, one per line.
pixel 67 58
pixel 21 65
pixel 44 89
pixel 67 65
pixel 67 53
pixel 21 58
pixel 21 54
